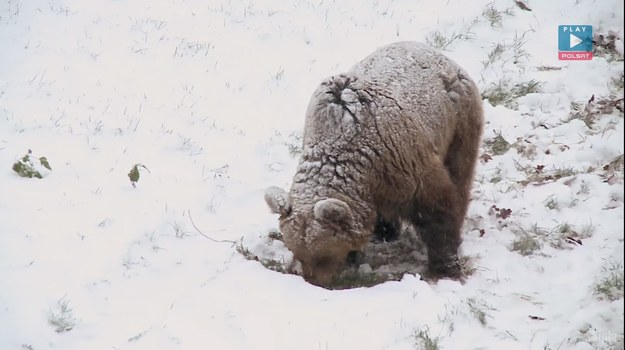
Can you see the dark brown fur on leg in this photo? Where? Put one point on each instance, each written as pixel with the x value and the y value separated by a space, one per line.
pixel 463 151
pixel 438 218
pixel 386 230
pixel 441 235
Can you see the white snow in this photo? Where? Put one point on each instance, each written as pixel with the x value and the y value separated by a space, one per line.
pixel 210 96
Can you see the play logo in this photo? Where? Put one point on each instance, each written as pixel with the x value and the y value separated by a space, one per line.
pixel 575 42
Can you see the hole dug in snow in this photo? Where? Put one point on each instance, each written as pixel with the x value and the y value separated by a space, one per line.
pixel 380 261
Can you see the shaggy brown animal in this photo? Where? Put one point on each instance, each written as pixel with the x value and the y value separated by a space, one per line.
pixel 395 138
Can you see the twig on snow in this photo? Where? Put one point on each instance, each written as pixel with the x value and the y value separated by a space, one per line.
pixel 205 235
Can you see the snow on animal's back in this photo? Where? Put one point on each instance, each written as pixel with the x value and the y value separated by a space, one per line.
pixel 415 74
pixel 402 88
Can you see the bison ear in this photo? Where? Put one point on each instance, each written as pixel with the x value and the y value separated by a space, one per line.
pixel 278 200
pixel 332 211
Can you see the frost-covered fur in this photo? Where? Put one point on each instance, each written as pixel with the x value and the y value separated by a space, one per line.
pixel 395 138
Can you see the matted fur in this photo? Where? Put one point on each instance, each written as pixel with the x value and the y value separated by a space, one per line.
pixel 395 138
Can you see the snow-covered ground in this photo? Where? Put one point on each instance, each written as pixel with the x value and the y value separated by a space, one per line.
pixel 210 97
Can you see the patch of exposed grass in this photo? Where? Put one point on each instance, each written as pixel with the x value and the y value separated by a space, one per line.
pixel 497 177
pixel 564 172
pixel 351 278
pixel 442 41
pixel 538 174
pixel 581 111
pixel 274 265
pixel 467 265
pixel 275 235
pixel 138 336
pixel 592 110
pixel 492 15
pixel 479 309
pixel 525 244
pixel 612 172
pixel 179 230
pixel 495 16
pixel 548 68
pixel 584 188
pixel 604 45
pixel 610 286
pixel 525 148
pixel 294 145
pixel 61 317
pixel 566 236
pixel 271 264
pixel 528 241
pixel 187 48
pixel 424 341
pixel 449 318
pixel 495 54
pixel 506 94
pixel 564 228
pixel 618 82
pixel 551 203
pixel 562 236
pixel 498 145
pixel 278 75
pixel 518 50
pixel 508 51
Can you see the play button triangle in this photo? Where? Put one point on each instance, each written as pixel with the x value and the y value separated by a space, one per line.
pixel 574 41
